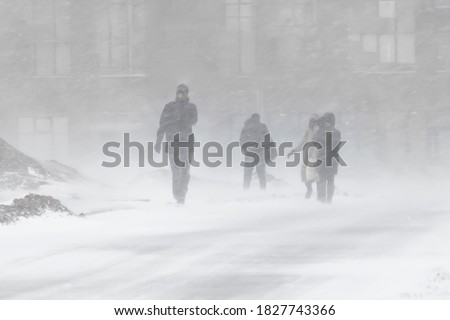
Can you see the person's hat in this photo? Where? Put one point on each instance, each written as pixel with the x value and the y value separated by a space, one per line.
pixel 183 88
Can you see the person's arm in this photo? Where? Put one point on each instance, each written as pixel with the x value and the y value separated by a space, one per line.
pixel 264 132
pixel 163 121
pixel 193 116
pixel 295 150
pixel 298 148
pixel 338 137
pixel 242 137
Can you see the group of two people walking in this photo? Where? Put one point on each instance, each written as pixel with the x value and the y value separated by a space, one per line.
pixel 323 174
pixel 179 116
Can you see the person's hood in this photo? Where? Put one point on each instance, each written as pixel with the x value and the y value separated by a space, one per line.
pixel 329 118
pixel 254 119
pixel 313 121
pixel 184 89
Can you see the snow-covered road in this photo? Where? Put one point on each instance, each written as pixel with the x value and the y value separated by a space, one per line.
pixel 253 246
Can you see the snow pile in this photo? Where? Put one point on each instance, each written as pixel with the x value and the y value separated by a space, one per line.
pixel 19 171
pixel 31 205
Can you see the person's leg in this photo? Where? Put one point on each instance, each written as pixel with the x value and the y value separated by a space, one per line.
pixel 321 189
pixel 248 171
pixel 247 177
pixel 175 177
pixel 184 175
pixel 330 188
pixel 261 172
pixel 309 189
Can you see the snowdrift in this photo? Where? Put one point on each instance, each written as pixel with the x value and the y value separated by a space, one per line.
pixel 31 205
pixel 19 171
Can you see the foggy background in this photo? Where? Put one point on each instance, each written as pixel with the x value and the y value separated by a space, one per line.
pixel 75 74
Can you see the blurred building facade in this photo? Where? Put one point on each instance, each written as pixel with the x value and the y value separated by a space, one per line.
pixel 75 73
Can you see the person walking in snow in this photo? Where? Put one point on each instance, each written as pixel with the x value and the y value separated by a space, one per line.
pixel 308 173
pixel 175 124
pixel 326 172
pixel 255 132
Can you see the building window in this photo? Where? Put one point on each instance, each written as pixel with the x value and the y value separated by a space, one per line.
pixel 44 137
pixel 397 48
pixel 120 34
pixel 386 9
pixel 387 48
pixel 51 48
pixel 239 22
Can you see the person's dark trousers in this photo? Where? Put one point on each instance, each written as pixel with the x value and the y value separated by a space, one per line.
pixel 330 188
pixel 260 171
pixel 309 189
pixel 325 188
pixel 180 174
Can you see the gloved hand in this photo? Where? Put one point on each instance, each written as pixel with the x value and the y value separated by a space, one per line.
pixel 158 147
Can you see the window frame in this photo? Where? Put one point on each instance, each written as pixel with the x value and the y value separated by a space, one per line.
pixel 384 14
pixel 245 28
pixel 130 68
pixel 31 137
pixel 54 43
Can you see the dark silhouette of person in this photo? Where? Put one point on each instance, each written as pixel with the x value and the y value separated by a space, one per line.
pixel 309 174
pixel 176 123
pixel 254 132
pixel 326 172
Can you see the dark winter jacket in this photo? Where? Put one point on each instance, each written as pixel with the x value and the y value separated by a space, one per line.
pixel 177 117
pixel 326 124
pixel 255 131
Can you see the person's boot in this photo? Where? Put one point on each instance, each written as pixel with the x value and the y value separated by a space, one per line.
pixel 308 194
pixel 309 191
pixel 180 202
pixel 329 199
